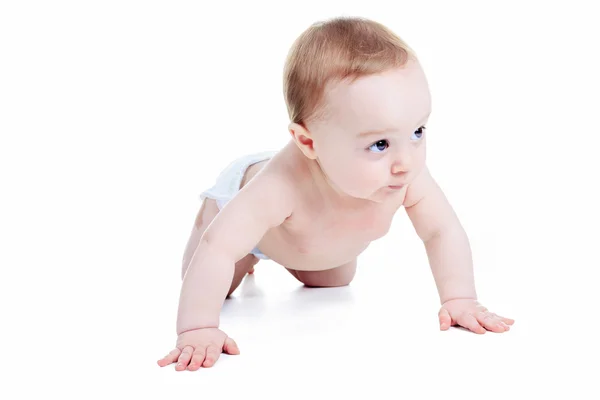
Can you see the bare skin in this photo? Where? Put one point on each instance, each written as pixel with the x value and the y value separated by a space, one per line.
pixel 318 204
pixel 341 275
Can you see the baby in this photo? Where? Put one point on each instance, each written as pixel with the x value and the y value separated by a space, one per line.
pixel 358 103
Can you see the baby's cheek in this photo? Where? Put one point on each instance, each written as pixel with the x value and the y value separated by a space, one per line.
pixel 363 184
pixel 342 172
pixel 351 176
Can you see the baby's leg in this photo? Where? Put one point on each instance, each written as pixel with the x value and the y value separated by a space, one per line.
pixel 339 276
pixel 208 211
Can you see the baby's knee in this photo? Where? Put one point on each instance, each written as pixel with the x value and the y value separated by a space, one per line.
pixel 336 277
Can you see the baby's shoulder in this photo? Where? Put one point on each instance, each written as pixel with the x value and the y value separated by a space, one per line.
pixel 276 178
pixel 288 168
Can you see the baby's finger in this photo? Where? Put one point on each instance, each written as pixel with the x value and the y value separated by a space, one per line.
pixel 507 321
pixel 197 358
pixel 231 346
pixel 490 322
pixel 470 322
pixel 503 322
pixel 184 358
pixel 169 358
pixel 445 320
pixel 212 355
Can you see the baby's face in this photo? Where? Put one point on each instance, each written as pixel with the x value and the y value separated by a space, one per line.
pixel 373 135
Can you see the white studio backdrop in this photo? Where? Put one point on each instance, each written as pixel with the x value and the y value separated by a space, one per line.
pixel 114 116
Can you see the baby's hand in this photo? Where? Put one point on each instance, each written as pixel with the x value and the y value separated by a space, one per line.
pixel 469 314
pixel 202 347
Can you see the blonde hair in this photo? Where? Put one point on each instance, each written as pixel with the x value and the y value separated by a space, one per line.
pixel 333 50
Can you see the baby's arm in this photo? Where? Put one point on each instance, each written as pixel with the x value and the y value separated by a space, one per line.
pixel 445 240
pixel 265 202
pixel 450 258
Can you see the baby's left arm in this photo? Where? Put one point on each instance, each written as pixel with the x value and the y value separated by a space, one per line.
pixel 449 254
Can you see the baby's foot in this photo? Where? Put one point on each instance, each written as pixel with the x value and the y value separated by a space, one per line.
pixel 254 262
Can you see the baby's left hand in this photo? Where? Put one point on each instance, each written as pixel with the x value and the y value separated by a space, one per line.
pixel 469 314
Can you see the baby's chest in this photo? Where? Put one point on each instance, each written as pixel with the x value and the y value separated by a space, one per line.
pixel 319 234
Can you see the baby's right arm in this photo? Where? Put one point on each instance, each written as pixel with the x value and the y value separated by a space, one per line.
pixel 265 202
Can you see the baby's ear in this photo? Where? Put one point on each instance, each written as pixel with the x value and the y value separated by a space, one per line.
pixel 303 139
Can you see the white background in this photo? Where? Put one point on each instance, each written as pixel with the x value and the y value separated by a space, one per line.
pixel 114 115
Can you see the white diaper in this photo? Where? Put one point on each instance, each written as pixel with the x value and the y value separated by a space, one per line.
pixel 229 180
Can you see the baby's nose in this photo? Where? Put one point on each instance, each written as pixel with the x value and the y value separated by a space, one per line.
pixel 401 165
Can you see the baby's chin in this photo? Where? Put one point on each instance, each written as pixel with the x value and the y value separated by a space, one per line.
pixel 385 193
pixel 377 195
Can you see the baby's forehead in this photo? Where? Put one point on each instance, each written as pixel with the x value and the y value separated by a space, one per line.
pixel 376 105
pixel 409 75
pixel 400 87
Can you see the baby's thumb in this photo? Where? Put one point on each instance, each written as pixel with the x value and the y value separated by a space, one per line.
pixel 445 320
pixel 230 346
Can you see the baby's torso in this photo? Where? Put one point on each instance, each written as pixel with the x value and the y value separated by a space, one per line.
pixel 314 239
pixel 319 236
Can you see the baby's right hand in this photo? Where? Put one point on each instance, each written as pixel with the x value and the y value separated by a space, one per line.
pixel 200 346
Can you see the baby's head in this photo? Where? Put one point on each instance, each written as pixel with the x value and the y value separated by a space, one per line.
pixel 358 99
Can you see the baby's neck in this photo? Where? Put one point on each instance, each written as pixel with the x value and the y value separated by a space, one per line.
pixel 330 193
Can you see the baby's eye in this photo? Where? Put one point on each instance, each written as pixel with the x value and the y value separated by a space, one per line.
pixel 380 145
pixel 418 133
